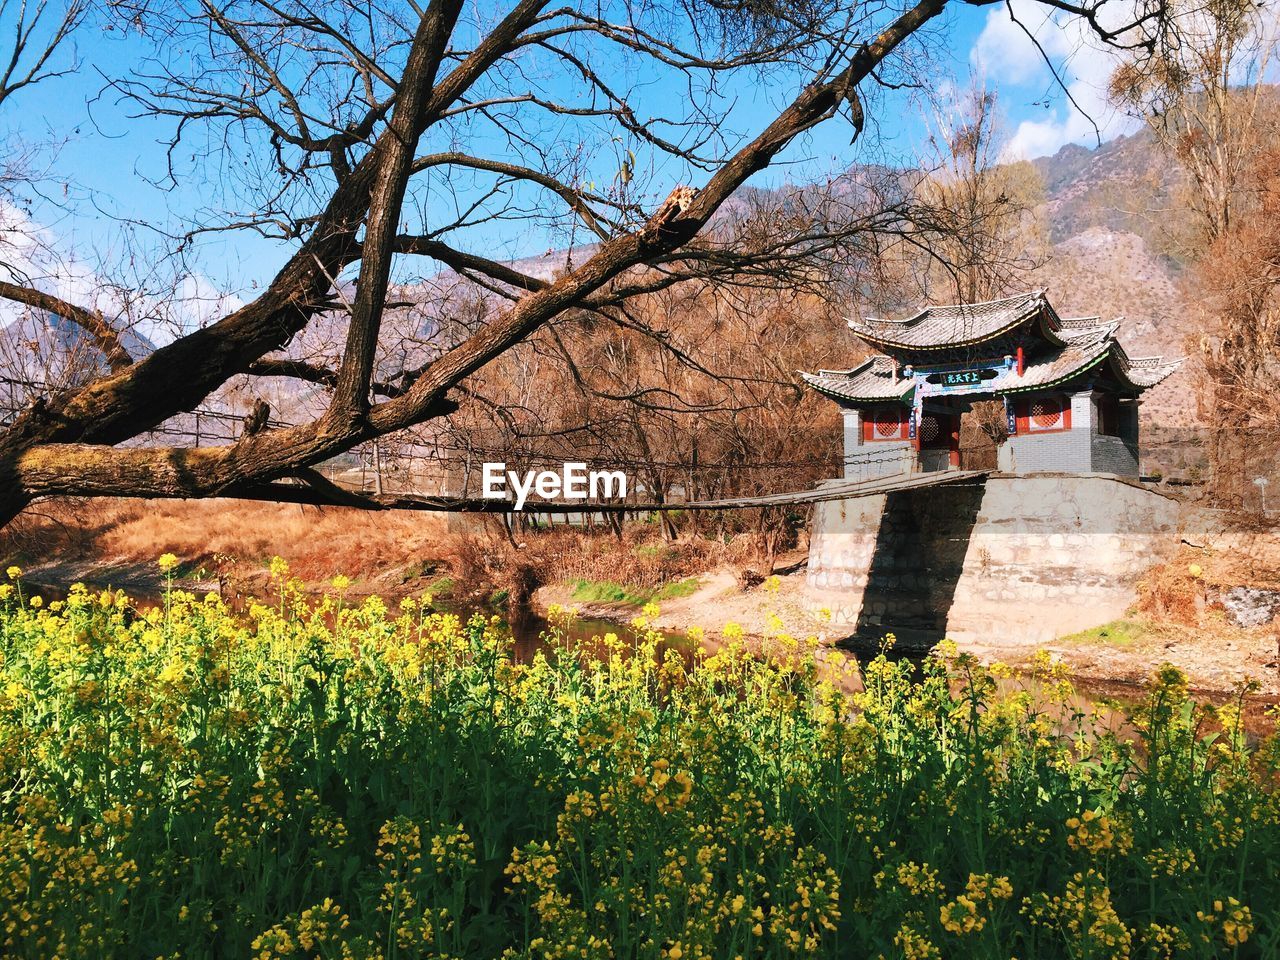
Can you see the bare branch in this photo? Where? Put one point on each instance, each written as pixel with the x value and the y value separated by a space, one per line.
pixel 106 337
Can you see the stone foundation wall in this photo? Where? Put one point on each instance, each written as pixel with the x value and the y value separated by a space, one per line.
pixel 1013 560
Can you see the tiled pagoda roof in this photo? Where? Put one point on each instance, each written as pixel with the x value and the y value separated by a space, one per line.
pixel 1079 345
pixel 962 325
pixel 870 382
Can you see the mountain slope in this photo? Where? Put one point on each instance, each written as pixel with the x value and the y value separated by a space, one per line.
pixel 1114 222
pixel 1125 185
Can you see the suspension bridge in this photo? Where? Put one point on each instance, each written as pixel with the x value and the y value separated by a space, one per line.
pixel 362 483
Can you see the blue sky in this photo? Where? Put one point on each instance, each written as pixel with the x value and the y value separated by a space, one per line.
pixel 109 156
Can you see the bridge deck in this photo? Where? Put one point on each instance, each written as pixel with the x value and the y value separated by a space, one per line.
pixel 845 490
pixel 326 493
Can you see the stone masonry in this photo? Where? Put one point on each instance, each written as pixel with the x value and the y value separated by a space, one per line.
pixel 1082 449
pixel 1013 560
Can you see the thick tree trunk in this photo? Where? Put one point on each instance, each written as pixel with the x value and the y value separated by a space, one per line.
pixel 64 444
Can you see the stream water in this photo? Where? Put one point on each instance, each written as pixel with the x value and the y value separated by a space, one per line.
pixel 530 632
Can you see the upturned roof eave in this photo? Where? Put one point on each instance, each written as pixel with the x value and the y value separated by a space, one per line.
pixel 904 400
pixel 1161 369
pixel 1119 365
pixel 815 381
pixel 1084 367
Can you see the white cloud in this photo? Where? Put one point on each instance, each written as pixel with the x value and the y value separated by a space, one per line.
pixel 34 255
pixel 1003 53
pixel 1067 124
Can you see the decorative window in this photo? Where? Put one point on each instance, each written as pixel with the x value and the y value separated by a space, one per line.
pixel 884 425
pixel 930 429
pixel 1044 414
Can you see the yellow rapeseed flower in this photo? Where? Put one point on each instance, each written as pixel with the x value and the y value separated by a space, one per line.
pixel 675 761
pixel 167 562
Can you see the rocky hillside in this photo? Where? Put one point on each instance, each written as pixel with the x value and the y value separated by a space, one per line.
pixel 1126 185
pixel 1113 218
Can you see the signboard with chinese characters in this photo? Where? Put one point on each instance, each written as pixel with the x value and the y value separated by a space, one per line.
pixel 968 379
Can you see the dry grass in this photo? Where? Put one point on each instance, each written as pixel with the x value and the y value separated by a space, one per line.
pixel 391 546
pixel 486 561
pixel 1184 591
pixel 641 559
pixel 317 542
pixel 1173 592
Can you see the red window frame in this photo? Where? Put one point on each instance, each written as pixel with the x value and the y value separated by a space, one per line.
pixel 1027 423
pixel 886 424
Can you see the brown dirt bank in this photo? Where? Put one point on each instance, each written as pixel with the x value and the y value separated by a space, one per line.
pixel 1177 619
pixel 116 542
pixel 1215 656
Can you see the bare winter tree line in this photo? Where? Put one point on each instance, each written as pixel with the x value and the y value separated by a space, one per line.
pixel 1208 94
pixel 375 143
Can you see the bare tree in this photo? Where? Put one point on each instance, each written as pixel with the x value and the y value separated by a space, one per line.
pixel 37 35
pixel 367 134
pixel 976 209
pixel 1239 279
pixel 1205 94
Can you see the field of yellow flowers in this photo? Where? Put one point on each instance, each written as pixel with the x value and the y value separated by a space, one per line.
pixel 322 779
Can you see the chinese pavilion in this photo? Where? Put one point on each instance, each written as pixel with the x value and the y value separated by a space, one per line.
pixel 1070 391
